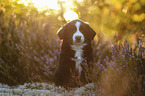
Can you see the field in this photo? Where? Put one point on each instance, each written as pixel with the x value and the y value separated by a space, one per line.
pixel 30 47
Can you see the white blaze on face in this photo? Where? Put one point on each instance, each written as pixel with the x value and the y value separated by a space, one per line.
pixel 78 33
pixel 78 47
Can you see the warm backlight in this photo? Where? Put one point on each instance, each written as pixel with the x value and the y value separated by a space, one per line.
pixel 53 4
pixel 70 15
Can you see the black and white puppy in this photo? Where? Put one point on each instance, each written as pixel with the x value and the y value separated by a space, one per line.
pixel 76 52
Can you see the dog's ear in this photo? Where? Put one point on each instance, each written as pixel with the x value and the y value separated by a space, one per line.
pixel 91 32
pixel 60 33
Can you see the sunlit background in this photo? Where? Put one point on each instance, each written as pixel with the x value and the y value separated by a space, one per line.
pixel 42 5
pixel 110 18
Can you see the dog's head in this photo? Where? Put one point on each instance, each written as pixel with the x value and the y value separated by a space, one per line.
pixel 77 32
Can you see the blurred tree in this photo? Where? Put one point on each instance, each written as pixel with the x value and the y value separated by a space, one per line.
pixel 131 18
pixel 112 17
pixel 62 11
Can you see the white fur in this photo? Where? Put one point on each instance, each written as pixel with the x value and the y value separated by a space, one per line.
pixel 78 57
pixel 78 33
pixel 78 48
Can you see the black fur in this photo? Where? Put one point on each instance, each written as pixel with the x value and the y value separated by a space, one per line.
pixel 66 67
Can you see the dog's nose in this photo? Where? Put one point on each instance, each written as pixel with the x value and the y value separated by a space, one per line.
pixel 78 38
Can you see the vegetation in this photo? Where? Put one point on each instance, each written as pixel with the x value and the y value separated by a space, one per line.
pixel 29 46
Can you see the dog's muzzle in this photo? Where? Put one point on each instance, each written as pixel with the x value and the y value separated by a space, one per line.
pixel 78 39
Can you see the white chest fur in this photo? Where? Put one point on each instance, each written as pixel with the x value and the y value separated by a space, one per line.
pixel 78 57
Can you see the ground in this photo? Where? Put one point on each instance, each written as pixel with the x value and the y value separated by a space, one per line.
pixel 45 89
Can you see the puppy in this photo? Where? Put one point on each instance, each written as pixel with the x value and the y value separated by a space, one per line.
pixel 76 56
